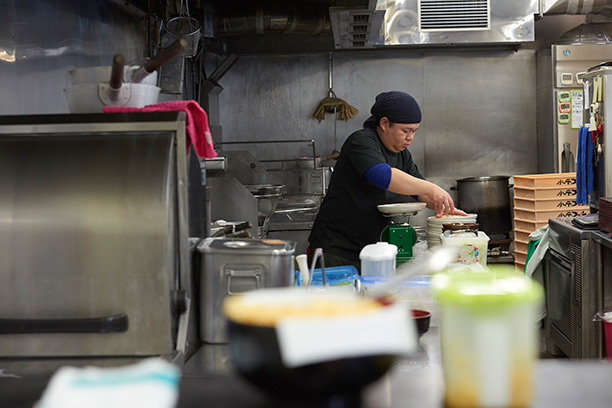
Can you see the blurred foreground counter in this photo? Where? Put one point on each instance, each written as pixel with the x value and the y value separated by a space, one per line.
pixel 208 380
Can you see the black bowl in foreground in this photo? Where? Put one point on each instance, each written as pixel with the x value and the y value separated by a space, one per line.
pixel 256 355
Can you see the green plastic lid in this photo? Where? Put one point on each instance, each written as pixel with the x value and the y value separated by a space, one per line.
pixel 487 291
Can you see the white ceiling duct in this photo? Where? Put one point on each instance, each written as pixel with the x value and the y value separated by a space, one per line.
pixel 457 22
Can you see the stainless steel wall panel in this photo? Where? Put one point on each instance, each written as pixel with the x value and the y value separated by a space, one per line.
pixel 479 111
pixel 486 125
pixel 41 41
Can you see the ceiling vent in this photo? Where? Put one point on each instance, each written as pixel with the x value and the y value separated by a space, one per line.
pixel 459 22
pixel 454 15
pixel 357 27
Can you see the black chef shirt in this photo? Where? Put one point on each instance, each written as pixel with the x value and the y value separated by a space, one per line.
pixel 348 218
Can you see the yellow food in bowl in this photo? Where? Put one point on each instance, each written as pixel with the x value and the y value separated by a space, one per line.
pixel 266 308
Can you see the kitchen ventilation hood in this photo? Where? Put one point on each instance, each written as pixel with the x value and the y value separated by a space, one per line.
pixel 550 7
pixel 435 22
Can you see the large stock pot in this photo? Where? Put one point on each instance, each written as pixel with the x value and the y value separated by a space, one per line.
pixel 489 197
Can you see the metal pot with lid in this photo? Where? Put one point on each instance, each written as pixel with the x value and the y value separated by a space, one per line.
pixel 489 197
pixel 231 266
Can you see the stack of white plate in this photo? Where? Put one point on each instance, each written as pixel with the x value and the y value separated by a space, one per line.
pixel 434 226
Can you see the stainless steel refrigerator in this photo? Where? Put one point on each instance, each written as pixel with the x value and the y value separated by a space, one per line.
pixel 560 101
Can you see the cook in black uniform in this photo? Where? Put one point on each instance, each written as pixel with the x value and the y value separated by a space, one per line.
pixel 374 167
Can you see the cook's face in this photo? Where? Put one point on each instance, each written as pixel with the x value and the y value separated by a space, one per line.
pixel 397 136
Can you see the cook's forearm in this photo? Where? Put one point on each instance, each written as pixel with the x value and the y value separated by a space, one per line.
pixel 404 183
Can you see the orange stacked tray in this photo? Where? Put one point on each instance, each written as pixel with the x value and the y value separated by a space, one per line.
pixel 538 197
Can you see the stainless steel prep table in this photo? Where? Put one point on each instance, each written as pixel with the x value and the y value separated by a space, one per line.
pixel 208 380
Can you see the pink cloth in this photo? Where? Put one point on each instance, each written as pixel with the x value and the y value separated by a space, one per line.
pixel 198 132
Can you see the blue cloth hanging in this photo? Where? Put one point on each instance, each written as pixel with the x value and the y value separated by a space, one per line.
pixel 581 166
pixel 590 160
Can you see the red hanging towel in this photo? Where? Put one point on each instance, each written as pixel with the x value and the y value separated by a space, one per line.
pixel 198 132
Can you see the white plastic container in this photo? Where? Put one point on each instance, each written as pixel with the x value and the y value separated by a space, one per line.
pixel 470 248
pixel 378 259
pixel 415 292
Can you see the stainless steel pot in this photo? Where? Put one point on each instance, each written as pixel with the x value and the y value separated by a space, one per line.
pixel 233 265
pixel 489 197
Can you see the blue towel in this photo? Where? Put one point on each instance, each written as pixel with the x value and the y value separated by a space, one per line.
pixel 581 166
pixel 590 168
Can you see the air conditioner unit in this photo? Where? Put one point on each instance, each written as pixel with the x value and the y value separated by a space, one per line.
pixel 439 22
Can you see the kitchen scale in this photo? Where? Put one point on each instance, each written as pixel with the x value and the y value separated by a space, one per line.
pixel 399 232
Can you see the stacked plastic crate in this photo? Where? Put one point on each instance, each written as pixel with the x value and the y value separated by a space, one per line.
pixel 538 197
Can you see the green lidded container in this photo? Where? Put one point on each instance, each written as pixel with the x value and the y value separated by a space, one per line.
pixel 486 292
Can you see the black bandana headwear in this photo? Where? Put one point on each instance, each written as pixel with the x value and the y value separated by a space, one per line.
pixel 397 106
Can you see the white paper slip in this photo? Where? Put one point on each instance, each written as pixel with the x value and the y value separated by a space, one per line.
pixel 389 330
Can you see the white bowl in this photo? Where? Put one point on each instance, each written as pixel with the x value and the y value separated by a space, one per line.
pixel 401 208
pixel 90 75
pixel 85 98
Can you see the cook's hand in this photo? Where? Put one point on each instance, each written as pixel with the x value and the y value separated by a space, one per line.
pixel 456 211
pixel 440 201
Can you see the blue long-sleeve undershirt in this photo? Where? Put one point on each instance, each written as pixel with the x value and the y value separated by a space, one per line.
pixel 379 175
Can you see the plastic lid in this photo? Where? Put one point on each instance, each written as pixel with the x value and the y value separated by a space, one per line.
pixel 380 251
pixel 487 292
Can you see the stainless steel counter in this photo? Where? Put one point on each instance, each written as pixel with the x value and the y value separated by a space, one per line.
pixel 208 380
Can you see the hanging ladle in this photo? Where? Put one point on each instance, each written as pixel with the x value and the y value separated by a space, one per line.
pixel 160 59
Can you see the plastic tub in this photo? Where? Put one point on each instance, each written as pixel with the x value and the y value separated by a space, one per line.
pixel 471 248
pixel 488 337
pixel 378 259
pixel 416 293
pixel 336 276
